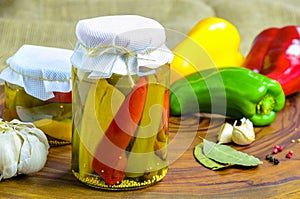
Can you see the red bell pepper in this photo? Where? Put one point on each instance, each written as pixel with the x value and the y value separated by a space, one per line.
pixel 276 54
pixel 260 46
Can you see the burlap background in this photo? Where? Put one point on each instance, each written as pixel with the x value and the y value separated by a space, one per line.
pixel 52 22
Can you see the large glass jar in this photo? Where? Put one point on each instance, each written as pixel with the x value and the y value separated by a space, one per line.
pixel 120 107
pixel 38 82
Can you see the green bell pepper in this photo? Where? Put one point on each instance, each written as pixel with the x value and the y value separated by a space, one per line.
pixel 232 91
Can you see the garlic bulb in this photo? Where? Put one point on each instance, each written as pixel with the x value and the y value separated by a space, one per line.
pixel 243 134
pixel 23 148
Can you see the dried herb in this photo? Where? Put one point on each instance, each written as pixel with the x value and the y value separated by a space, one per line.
pixel 205 161
pixel 227 155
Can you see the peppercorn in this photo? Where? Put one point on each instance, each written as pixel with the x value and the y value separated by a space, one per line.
pixel 276 161
pixel 288 156
pixel 280 148
pixel 275 150
pixel 268 157
pixel 272 159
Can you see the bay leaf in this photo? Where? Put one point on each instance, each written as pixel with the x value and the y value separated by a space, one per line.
pixel 227 155
pixel 205 161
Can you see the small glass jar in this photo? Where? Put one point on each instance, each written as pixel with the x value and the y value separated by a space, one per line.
pixel 38 82
pixel 120 102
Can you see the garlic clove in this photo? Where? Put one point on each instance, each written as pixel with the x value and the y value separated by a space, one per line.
pixel 37 157
pixel 225 134
pixel 34 150
pixel 10 146
pixel 243 134
pixel 24 151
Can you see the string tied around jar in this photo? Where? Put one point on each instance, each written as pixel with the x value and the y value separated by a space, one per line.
pixel 125 53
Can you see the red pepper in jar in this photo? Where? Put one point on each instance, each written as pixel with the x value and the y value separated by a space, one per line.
pixel 61 97
pixel 276 54
pixel 110 158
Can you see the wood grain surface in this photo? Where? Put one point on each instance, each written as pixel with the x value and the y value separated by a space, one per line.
pixel 186 178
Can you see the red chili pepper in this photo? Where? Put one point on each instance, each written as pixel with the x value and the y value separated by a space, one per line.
pixel 166 112
pixel 110 157
pixel 279 57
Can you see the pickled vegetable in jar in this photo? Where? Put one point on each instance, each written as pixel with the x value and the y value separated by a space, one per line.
pixel 38 84
pixel 120 102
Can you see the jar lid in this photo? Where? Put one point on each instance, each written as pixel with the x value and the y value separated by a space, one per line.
pixel 40 70
pixel 120 44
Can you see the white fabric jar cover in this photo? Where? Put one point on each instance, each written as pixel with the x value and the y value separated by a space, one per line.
pixel 120 44
pixel 40 70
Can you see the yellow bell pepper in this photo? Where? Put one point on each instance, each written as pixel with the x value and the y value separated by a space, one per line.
pixel 212 42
